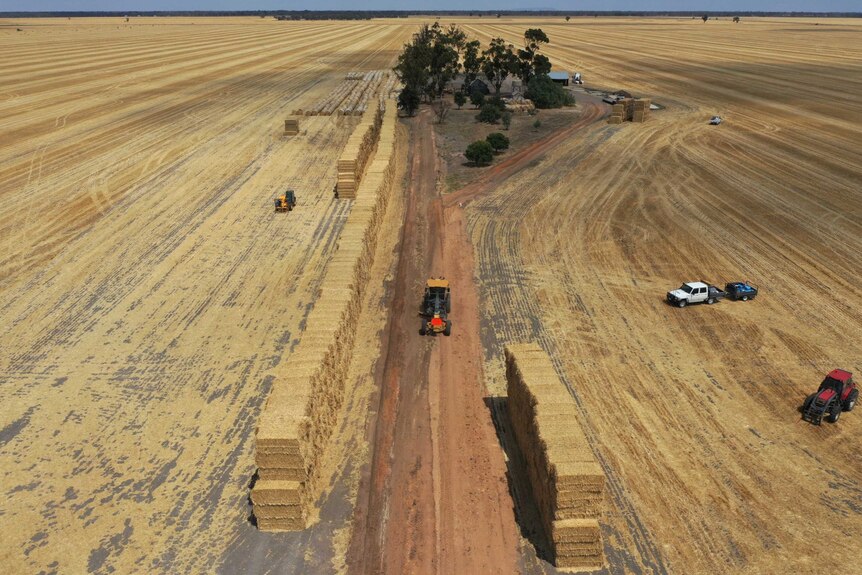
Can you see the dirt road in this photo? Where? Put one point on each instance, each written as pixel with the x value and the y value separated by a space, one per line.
pixel 438 498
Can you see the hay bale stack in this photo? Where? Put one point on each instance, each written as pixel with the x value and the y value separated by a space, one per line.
pixel 641 110
pixel 278 505
pixel 566 480
pixel 301 411
pixel 359 146
pixel 618 113
pixel 291 127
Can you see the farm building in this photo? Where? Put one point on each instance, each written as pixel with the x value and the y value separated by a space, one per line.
pixel 510 84
pixel 559 77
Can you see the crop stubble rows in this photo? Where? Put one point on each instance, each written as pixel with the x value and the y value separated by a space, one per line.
pixel 694 412
pixel 148 288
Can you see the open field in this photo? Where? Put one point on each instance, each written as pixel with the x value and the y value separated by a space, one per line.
pixel 149 292
pixel 694 411
pixel 149 296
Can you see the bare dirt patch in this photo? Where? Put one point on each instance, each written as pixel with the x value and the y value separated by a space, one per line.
pixel 461 128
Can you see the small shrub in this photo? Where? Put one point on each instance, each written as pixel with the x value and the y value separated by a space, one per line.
pixel 545 93
pixel 441 109
pixel 489 114
pixel 507 119
pixel 477 98
pixel 460 99
pixel 498 141
pixel 537 124
pixel 408 101
pixel 480 153
pixel 497 102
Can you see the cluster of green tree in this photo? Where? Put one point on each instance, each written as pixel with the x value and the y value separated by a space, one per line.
pixel 545 93
pixel 428 62
pixel 367 14
pixel 435 55
pixel 491 110
pixel 481 152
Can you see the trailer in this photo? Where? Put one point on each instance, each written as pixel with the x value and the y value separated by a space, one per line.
pixel 740 291
pixel 703 292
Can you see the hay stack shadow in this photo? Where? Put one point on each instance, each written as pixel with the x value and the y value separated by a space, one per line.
pixel 526 507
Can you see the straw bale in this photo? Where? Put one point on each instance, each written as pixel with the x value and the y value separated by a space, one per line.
pixel 287 511
pixel 276 493
pixel 579 557
pixel 575 548
pixel 278 427
pixel 281 524
pixel 590 563
pixel 575 530
pixel 581 509
pixel 568 497
pixel 282 474
pixel 561 418
pixel 279 460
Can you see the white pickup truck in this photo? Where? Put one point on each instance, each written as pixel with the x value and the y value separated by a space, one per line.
pixel 695 292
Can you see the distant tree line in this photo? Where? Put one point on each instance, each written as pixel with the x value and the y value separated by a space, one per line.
pixel 368 14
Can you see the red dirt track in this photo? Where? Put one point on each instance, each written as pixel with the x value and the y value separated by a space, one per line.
pixel 438 499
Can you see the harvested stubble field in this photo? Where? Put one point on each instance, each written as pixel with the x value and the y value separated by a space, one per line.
pixel 149 292
pixel 693 412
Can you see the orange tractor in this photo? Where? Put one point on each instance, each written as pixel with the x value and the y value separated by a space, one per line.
pixel 285 202
pixel 436 305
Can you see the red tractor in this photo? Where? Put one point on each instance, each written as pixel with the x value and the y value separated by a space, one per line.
pixel 837 393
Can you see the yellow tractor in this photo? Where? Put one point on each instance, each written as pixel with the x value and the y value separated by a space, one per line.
pixel 285 202
pixel 436 305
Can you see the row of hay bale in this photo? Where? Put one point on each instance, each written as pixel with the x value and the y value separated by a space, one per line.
pixel 629 109
pixel 357 102
pixel 350 97
pixel 302 408
pixel 351 163
pixel 566 480
pixel 391 87
pixel 518 103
